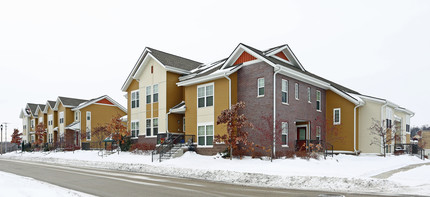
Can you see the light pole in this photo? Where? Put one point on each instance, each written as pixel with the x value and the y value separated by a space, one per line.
pixel 5 137
pixel 1 140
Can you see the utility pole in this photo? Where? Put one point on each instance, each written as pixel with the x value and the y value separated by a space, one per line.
pixel 5 136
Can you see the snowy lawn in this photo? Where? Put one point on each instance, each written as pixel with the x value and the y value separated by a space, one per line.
pixel 345 173
pixel 12 185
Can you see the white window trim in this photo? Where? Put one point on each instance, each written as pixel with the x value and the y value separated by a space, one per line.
pixel 285 145
pixel 88 115
pixel 131 123
pixel 148 93
pixel 282 91
pixel 334 116
pixel 61 117
pixel 319 110
pixel 309 95
pixel 205 96
pixel 213 139
pixel 88 130
pixel 153 93
pixel 318 128
pixel 258 87
pixel 151 129
pixel 135 99
pixel 296 91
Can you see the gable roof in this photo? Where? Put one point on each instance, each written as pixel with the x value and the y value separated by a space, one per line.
pixel 49 104
pixel 169 61
pixel 95 100
pixel 40 107
pixel 68 102
pixel 31 109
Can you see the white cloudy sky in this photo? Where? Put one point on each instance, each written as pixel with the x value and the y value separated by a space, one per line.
pixel 85 49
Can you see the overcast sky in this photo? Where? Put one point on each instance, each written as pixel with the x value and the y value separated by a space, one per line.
pixel 85 49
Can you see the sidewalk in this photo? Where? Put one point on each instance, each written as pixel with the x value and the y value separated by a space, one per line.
pixel 390 173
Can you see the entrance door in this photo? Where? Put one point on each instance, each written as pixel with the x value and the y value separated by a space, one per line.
pixel 301 138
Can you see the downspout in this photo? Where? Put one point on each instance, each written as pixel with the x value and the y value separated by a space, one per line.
pixel 229 90
pixel 167 124
pixel 355 126
pixel 382 124
pixel 274 111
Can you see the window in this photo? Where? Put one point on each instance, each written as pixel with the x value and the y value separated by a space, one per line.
pixel 183 124
pixel 260 85
pixel 134 128
pixel 155 126
pixel 408 128
pixel 155 95
pixel 285 133
pixel 89 115
pixel 50 120
pixel 135 99
pixel 284 91
pixel 389 117
pixel 32 123
pixel 88 134
pixel 148 127
pixel 318 101
pixel 148 94
pixel 40 119
pixel 61 117
pixel 336 116
pixel 205 95
pixel 296 91
pixel 318 134
pixel 205 135
pixel 77 114
pixel 309 95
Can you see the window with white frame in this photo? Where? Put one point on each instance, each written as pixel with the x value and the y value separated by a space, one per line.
pixel 296 91
pixel 88 116
pixel 318 133
pixel 32 123
pixel 318 100
pixel 389 115
pixel 260 85
pixel 309 95
pixel 40 119
pixel 155 126
pixel 148 94
pixel 61 117
pixel 148 127
pixel 408 123
pixel 88 134
pixel 284 91
pixel 155 94
pixel 76 115
pixel 285 133
pixel 205 95
pixel 183 124
pixel 135 128
pixel 50 120
pixel 135 99
pixel 336 116
pixel 205 135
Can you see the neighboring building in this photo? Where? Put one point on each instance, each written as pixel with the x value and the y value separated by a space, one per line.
pixel 41 119
pixel 424 141
pixel 93 113
pixel 29 121
pixel 66 117
pixel 152 94
pixel 52 122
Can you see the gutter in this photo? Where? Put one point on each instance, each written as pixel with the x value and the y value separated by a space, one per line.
pixel 167 124
pixel 382 123
pixel 355 126
pixel 274 110
pixel 229 90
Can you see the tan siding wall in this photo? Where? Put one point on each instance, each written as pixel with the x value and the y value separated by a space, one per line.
pixel 134 85
pixel 174 97
pixel 155 105
pixel 148 110
pixel 100 116
pixel 340 136
pixel 220 103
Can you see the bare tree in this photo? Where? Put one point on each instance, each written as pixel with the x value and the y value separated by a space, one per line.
pixel 382 134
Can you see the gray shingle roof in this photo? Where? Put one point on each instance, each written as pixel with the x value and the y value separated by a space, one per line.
pixel 42 107
pixel 32 107
pixel 71 101
pixel 174 60
pixel 51 103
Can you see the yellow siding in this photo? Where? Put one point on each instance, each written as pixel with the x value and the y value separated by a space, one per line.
pixel 340 136
pixel 148 111
pixel 134 85
pixel 155 106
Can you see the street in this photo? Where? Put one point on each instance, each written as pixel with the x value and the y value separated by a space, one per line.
pixel 100 182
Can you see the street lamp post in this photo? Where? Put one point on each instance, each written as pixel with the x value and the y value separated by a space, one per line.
pixel 1 140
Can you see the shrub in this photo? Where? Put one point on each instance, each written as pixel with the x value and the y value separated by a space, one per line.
pixel 141 147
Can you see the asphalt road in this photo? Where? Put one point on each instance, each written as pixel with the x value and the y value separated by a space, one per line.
pixel 119 183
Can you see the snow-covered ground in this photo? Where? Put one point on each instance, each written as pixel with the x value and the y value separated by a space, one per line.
pixel 12 185
pixel 343 173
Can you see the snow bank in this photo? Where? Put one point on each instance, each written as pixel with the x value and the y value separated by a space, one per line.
pixel 12 185
pixel 342 173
